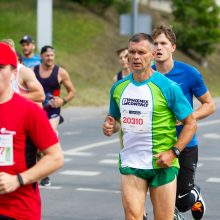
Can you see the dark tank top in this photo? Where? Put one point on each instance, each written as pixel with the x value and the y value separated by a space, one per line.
pixel 119 75
pixel 50 84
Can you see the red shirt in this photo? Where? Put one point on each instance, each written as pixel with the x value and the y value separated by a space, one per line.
pixel 31 131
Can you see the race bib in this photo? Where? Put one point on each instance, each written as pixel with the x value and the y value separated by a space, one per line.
pixel 135 122
pixel 6 149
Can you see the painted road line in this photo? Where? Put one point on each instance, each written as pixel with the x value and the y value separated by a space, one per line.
pixel 83 154
pixel 98 190
pixel 209 158
pixel 67 160
pixel 50 187
pixel 213 180
pixel 112 155
pixel 80 173
pixel 212 122
pixel 70 133
pixel 89 146
pixel 108 161
pixel 212 136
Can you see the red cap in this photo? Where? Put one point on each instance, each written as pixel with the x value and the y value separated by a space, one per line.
pixel 7 55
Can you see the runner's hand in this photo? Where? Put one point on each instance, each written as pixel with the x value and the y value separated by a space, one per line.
pixel 108 126
pixel 56 102
pixel 8 183
pixel 164 159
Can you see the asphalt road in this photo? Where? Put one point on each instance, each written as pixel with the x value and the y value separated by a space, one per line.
pixel 88 186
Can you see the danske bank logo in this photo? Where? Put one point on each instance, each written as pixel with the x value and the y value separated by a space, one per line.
pixel 135 102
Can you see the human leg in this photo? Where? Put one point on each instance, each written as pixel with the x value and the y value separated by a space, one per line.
pixel 54 121
pixel 185 181
pixel 163 200
pixel 134 190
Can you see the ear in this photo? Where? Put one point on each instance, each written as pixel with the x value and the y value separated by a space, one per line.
pixel 153 54
pixel 173 48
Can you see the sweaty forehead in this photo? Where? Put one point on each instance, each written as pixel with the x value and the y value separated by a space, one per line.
pixel 142 45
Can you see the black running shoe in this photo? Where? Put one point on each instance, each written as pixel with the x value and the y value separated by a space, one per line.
pixel 45 182
pixel 199 208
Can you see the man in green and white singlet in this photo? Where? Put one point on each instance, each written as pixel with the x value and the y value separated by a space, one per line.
pixel 147 104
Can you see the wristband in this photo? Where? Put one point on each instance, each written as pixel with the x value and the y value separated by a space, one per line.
pixel 64 101
pixel 176 151
pixel 20 179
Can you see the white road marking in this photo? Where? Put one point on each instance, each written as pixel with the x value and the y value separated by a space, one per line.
pixel 50 187
pixel 80 173
pixel 70 133
pixel 209 158
pixel 213 180
pixel 205 123
pixel 89 146
pixel 108 161
pixel 112 155
pixel 98 190
pixel 212 136
pixel 72 153
pixel 67 160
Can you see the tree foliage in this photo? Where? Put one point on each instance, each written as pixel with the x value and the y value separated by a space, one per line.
pixel 197 25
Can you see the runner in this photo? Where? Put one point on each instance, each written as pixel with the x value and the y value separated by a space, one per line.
pixel 51 78
pixel 24 80
pixel 147 104
pixel 123 61
pixel 192 84
pixel 24 128
pixel 30 58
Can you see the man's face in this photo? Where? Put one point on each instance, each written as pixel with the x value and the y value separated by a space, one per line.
pixel 48 58
pixel 27 48
pixel 163 48
pixel 123 59
pixel 140 55
pixel 5 77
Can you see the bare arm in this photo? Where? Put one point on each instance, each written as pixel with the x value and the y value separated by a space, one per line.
pixel 64 78
pixel 189 128
pixel 28 79
pixel 52 160
pixel 206 108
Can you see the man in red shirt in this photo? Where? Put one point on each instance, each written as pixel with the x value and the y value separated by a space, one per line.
pixel 24 128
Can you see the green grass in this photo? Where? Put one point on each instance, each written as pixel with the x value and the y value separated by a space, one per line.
pixel 85 45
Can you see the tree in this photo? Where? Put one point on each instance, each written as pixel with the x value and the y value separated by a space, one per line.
pixel 197 25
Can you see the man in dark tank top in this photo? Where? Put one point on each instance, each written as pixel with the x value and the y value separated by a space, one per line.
pixel 51 77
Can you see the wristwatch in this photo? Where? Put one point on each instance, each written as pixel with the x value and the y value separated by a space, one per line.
pixel 176 151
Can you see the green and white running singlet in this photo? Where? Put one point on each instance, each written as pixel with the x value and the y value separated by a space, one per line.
pixel 147 111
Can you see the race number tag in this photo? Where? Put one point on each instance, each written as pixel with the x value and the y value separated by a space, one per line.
pixel 135 122
pixel 6 150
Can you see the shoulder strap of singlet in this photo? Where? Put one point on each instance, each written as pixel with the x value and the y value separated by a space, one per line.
pixel 37 71
pixel 119 76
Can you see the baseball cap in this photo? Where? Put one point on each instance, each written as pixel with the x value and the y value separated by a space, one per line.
pixel 7 55
pixel 27 38
pixel 45 48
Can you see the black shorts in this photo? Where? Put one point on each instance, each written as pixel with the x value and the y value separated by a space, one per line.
pixel 2 217
pixel 188 162
pixel 52 112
